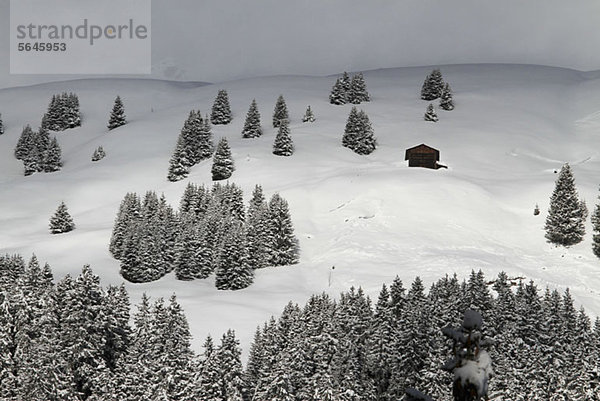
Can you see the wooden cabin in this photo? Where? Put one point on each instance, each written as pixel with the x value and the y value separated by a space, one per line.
pixel 423 156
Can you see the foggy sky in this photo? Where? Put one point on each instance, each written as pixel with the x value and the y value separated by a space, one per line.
pixel 217 40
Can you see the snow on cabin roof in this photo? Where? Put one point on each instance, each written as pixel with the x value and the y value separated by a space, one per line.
pixel 423 147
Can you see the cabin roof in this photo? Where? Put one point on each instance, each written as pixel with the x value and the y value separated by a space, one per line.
pixel 422 148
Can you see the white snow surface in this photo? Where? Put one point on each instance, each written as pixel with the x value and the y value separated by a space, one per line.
pixel 370 216
pixel 476 372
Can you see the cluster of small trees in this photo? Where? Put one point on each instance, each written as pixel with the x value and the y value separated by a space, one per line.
pixel 195 140
pixel 565 223
pixel 143 237
pixel 349 90
pixel 433 88
pixel 211 233
pixel 194 144
pixel 358 134
pixel 38 152
pixel 63 113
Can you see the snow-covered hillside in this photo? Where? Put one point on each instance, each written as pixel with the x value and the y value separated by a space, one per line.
pixel 370 216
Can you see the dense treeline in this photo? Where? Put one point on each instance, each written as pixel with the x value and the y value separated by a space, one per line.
pixel 74 340
pixel 348 350
pixel 212 232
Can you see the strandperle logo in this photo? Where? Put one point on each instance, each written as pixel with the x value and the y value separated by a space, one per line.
pixel 86 31
pixel 80 37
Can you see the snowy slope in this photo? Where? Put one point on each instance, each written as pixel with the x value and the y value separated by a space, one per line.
pixel 372 217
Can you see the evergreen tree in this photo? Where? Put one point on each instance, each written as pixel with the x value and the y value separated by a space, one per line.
pixel 309 117
pixel 179 163
pixel 188 242
pixel 565 224
pixel 446 102
pixel 596 228
pixel 433 86
pixel 25 143
pixel 98 154
pixel 61 221
pixel 223 165
pixel 338 94
pixel 430 114
pixel 283 145
pixel 129 213
pixel 233 271
pixel 117 116
pixel 280 113
pixel 351 132
pixel 358 134
pixel 358 90
pixel 205 147
pixel 52 157
pixel 31 162
pixel 221 111
pixel 1 125
pixel 258 230
pixel 346 82
pixel 283 243
pixel 252 127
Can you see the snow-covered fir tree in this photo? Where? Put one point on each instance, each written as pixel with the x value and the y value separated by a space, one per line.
pixel 565 224
pixel 338 93
pixel 233 271
pixel 221 110
pixel 430 114
pixel 25 143
pixel 358 90
pixel 52 157
pixel 283 145
pixel 179 163
pixel 596 228
pixel 223 165
pixel 61 221
pixel 194 145
pixel 309 117
pixel 346 82
pixel 98 154
pixel 117 116
pixel 284 247
pixel 205 146
pixel 257 234
pixel 433 86
pixel 358 134
pixel 280 112
pixel 1 125
pixel 446 102
pixel 252 128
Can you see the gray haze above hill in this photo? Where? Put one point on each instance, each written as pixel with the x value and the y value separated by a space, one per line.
pixel 218 40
